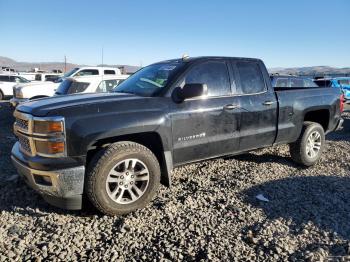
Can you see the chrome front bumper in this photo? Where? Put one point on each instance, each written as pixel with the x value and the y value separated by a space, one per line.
pixel 62 188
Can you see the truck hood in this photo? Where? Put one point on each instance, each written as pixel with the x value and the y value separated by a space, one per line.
pixel 35 84
pixel 42 107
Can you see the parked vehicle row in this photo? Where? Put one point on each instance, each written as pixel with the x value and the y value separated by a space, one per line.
pixel 288 81
pixel 7 82
pixel 338 82
pixel 93 77
pixel 116 148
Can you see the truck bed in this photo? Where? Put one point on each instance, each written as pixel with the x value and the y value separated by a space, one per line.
pixel 291 109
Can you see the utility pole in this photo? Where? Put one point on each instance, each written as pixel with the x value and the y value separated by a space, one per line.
pixel 65 64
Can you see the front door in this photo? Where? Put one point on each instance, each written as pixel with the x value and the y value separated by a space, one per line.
pixel 208 126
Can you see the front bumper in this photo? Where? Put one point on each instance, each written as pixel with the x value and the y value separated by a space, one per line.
pixel 61 188
pixel 16 101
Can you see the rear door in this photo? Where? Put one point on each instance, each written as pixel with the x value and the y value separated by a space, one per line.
pixel 208 126
pixel 258 106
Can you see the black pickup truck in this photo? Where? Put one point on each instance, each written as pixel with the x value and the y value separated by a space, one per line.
pixel 116 148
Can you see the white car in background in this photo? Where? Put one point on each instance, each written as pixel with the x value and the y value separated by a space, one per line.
pixel 71 85
pixel 34 90
pixel 89 71
pixel 7 82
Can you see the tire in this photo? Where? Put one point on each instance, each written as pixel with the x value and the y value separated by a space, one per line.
pixel 300 149
pixel 115 163
pixel 2 97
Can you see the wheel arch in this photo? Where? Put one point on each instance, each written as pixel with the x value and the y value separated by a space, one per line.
pixel 152 140
pixel 320 116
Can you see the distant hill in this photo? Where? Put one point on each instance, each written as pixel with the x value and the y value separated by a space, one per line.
pixel 49 66
pixel 312 71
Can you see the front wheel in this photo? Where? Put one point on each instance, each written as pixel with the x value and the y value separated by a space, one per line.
pixel 122 178
pixel 308 149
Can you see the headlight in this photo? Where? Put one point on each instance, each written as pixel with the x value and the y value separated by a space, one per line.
pixel 42 136
pixel 49 136
pixel 19 93
pixel 48 127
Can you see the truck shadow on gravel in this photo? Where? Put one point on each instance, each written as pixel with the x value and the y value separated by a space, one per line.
pixel 343 134
pixel 265 158
pixel 323 201
pixel 16 196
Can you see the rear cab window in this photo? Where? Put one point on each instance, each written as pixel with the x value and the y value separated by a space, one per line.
pixel 87 72
pixel 281 82
pixel 296 82
pixel 109 72
pixel 251 78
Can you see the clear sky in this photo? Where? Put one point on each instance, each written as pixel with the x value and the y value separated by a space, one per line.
pixel 283 33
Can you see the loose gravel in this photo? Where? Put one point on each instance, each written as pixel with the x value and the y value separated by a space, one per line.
pixel 210 213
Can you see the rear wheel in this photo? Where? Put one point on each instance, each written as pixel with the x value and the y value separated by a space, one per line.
pixel 308 149
pixel 122 178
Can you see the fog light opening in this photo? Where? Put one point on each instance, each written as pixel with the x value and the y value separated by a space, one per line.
pixel 42 180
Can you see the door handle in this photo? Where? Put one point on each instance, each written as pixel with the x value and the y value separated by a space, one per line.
pixel 230 107
pixel 267 103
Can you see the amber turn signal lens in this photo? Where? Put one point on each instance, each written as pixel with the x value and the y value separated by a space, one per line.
pixel 49 147
pixel 45 127
pixel 55 147
pixel 55 127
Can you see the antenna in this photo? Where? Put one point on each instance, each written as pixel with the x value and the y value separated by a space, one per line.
pixel 65 64
pixel 102 64
pixel 102 56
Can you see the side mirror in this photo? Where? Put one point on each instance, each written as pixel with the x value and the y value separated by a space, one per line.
pixel 189 91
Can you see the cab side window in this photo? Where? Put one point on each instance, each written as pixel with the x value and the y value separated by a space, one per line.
pixel 251 78
pixel 109 72
pixel 107 85
pixel 5 78
pixel 87 72
pixel 214 74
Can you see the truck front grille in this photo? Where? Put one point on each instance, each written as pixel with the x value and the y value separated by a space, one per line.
pixel 22 124
pixel 25 144
pixel 23 129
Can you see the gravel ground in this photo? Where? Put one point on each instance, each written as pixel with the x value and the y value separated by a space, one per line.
pixel 210 213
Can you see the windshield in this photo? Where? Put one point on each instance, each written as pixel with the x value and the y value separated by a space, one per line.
pixel 71 72
pixel 69 86
pixel 149 80
pixel 23 80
